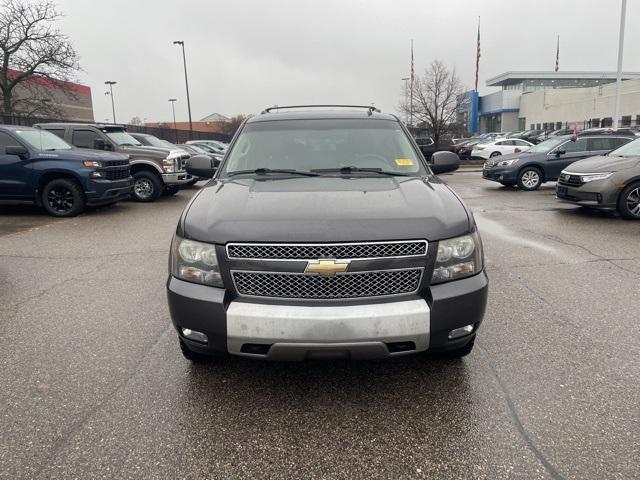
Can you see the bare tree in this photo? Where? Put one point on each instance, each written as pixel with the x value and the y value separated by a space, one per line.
pixel 233 124
pixel 33 54
pixel 435 100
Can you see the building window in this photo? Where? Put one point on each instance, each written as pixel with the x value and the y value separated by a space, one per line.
pixel 538 127
pixel 626 121
pixel 607 122
pixel 595 123
pixel 558 125
pixel 533 126
pixel 522 124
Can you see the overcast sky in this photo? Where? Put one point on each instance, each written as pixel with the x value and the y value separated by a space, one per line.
pixel 243 55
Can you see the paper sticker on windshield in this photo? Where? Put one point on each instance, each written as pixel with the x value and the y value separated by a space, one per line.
pixel 404 162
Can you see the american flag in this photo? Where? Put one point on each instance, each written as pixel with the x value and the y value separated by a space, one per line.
pixel 478 55
pixel 558 54
pixel 413 71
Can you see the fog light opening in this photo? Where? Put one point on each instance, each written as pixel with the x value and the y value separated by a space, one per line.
pixel 194 335
pixel 461 332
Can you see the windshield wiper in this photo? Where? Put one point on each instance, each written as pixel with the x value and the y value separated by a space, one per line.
pixel 267 171
pixel 349 170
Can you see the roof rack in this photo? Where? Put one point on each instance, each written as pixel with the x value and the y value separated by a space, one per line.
pixel 370 108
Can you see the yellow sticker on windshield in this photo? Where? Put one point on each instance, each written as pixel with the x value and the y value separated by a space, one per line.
pixel 404 162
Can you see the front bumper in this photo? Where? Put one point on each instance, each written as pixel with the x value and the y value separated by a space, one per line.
pixel 597 194
pixel 178 178
pixel 296 332
pixel 108 191
pixel 501 175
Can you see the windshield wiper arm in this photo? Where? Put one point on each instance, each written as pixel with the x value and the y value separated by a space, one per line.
pixel 266 171
pixel 348 170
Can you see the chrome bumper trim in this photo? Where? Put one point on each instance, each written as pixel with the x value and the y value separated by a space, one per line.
pixel 299 332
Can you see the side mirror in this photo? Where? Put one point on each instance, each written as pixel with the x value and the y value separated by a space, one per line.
pixel 17 150
pixel 560 153
pixel 201 166
pixel 442 162
pixel 100 144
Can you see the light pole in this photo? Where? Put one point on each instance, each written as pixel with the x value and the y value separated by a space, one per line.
pixel 616 110
pixel 186 82
pixel 173 108
pixel 111 83
pixel 406 92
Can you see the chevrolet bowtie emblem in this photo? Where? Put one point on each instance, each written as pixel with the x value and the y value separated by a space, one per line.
pixel 327 268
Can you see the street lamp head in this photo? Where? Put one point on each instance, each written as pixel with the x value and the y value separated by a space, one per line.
pixel 178 42
pixel 173 99
pixel 110 82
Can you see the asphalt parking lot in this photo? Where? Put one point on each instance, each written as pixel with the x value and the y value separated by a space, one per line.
pixel 94 385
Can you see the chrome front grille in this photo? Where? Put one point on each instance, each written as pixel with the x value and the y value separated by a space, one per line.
pixel 345 285
pixel 570 180
pixel 328 250
pixel 489 164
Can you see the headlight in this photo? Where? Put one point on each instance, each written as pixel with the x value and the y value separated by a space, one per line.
pixel 195 262
pixel 169 164
pixel 590 177
pixel 458 258
pixel 506 163
pixel 91 164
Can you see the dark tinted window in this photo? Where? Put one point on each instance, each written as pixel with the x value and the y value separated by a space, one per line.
pixel 601 144
pixel 7 140
pixel 59 132
pixel 579 145
pixel 84 138
pixel 618 142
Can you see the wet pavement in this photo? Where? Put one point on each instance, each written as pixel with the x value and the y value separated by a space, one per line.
pixel 94 385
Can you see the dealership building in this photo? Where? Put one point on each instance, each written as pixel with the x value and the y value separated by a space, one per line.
pixel 550 100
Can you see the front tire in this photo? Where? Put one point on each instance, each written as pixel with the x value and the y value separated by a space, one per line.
pixel 629 202
pixel 193 356
pixel 147 187
pixel 171 190
pixel 529 179
pixel 495 154
pixel 63 197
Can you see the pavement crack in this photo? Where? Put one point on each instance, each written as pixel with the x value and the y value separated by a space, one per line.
pixel 515 416
pixel 89 412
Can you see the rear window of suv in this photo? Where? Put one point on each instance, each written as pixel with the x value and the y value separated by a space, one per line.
pixel 308 145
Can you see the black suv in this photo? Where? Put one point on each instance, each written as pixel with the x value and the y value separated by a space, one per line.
pixel 544 162
pixel 325 234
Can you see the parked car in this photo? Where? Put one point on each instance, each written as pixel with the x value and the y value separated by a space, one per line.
pixel 555 133
pixel 610 182
pixel 39 167
pixel 464 151
pixel 498 147
pixel 326 238
pixel 428 147
pixel 216 146
pixel 196 150
pixel 608 131
pixel 544 162
pixel 149 140
pixel 155 170
pixel 531 136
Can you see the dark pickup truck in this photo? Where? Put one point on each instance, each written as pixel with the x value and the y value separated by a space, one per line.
pixel 38 167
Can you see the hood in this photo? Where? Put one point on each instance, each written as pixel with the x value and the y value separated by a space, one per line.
pixel 82 154
pixel 144 151
pixel 603 164
pixel 325 209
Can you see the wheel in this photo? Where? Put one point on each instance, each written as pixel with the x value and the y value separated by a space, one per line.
pixel 63 198
pixel 629 202
pixel 193 356
pixel 147 187
pixel 171 190
pixel 495 154
pixel 462 351
pixel 530 178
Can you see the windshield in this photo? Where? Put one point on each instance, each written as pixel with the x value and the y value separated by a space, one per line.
pixel 120 137
pixel 308 145
pixel 195 148
pixel 631 149
pixel 547 145
pixel 156 142
pixel 43 140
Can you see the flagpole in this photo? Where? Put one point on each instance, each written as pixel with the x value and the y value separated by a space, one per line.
pixel 478 55
pixel 616 111
pixel 411 93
